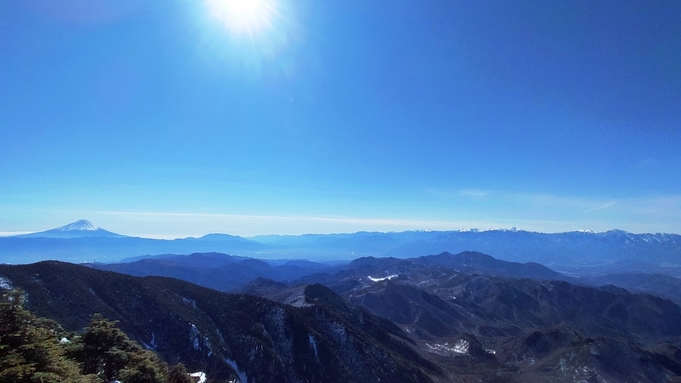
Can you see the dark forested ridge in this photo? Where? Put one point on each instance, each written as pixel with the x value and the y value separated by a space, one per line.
pixel 35 349
pixel 230 273
pixel 382 319
pixel 228 336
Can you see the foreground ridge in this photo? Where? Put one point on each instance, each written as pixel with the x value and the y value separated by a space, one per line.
pixel 382 319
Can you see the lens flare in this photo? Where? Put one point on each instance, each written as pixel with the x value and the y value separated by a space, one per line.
pixel 244 16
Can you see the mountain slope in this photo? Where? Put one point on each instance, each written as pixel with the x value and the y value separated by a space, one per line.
pixel 228 336
pixel 472 261
pixel 434 323
pixel 478 326
pixel 78 229
pixel 608 334
pixel 660 285
pixel 214 270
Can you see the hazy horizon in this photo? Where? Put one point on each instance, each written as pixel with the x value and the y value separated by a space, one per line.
pixel 477 229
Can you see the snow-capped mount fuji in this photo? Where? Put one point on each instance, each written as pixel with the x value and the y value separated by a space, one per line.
pixel 79 229
pixel 82 224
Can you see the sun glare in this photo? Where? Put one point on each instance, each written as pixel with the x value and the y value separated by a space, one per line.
pixel 244 16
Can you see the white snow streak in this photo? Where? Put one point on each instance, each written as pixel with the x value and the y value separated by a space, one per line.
pixel 389 277
pixel 200 375
pixel 194 337
pixel 313 344
pixel 461 347
pixel 242 375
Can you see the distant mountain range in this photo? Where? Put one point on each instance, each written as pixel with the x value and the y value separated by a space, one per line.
pixel 449 317
pixel 387 313
pixel 230 273
pixel 215 270
pixel 573 253
pixel 236 274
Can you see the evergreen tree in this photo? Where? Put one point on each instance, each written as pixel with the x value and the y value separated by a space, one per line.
pixel 103 349
pixel 144 367
pixel 30 351
pixel 178 374
pixel 106 351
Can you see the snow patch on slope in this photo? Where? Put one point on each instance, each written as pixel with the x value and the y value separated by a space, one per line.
pixel 243 378
pixel 4 284
pixel 194 337
pixel 313 343
pixel 460 348
pixel 389 277
pixel 200 375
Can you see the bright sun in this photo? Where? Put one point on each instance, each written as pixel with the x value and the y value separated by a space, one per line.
pixel 244 16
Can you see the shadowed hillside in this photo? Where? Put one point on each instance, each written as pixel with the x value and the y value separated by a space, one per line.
pixel 228 336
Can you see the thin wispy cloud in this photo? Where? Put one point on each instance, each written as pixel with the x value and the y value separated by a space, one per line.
pixel 447 211
pixel 660 206
pixel 525 199
pixel 474 193
pixel 261 218
pixel 556 201
pixel 602 207
pixel 551 212
pixel 11 233
pixel 197 224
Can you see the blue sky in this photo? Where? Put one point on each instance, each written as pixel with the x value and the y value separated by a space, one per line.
pixel 158 119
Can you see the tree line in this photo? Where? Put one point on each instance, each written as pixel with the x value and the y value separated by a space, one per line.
pixel 39 350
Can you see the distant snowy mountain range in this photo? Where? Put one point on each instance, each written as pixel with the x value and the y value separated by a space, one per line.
pixel 572 253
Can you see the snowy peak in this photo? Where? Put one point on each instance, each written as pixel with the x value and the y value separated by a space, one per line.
pixel 82 225
pixel 79 229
